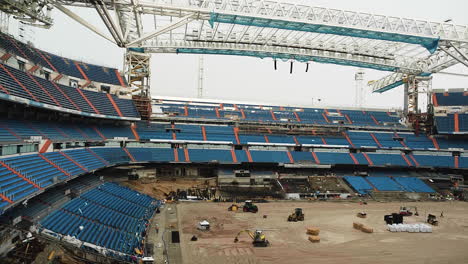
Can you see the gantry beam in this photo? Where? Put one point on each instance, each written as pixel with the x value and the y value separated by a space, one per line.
pixel 382 42
pixel 82 21
pixel 444 58
pixel 288 31
pixel 32 12
pixel 280 52
pixel 106 17
pixel 300 17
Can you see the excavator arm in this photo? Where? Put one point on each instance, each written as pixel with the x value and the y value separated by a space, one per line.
pixel 250 233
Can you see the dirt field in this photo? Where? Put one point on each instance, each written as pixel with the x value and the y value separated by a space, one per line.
pixel 340 243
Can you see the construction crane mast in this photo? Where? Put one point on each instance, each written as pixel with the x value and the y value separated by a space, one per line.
pixel 359 99
pixel 201 69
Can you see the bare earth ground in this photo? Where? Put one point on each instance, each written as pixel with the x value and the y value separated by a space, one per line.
pixel 340 243
pixel 158 189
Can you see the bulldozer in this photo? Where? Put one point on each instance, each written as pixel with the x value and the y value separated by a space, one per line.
pixel 297 215
pixel 233 207
pixel 258 238
pixel 432 219
pixel 249 207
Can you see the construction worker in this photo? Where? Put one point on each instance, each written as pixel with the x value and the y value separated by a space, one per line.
pixel 157 229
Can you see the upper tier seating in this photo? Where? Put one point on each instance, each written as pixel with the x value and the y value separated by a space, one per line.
pixel 281 114
pixel 450 99
pixel 60 64
pixel 152 154
pixel 18 130
pixel 153 131
pixel 40 91
pixel 202 155
pixel 15 131
pixel 452 123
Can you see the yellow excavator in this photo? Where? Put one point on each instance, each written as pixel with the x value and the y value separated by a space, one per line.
pixel 258 238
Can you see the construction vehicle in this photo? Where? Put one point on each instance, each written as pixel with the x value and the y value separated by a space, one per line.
pixel 406 210
pixel 362 215
pixel 233 207
pixel 258 238
pixel 296 216
pixel 432 219
pixel 249 207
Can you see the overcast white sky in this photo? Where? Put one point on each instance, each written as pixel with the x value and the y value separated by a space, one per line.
pixel 253 79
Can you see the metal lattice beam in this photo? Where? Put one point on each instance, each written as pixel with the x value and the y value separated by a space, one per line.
pixel 283 30
pixel 32 12
pixel 444 58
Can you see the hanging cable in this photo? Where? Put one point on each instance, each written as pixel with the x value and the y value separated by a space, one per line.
pixel 274 62
pixel 291 69
pixel 307 67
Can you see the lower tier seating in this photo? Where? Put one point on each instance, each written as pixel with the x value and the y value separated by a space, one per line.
pixel 109 216
pixel 364 185
pixel 23 175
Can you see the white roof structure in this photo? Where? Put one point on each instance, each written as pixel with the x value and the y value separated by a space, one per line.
pixel 280 30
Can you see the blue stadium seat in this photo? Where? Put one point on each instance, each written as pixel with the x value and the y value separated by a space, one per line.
pixel 109 216
pixel 359 184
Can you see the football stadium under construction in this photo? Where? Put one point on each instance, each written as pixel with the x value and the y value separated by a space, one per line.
pixel 97 168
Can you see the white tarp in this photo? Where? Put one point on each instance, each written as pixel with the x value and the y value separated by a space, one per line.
pixel 293 196
pixel 411 228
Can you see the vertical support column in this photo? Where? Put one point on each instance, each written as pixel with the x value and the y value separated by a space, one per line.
pixel 405 97
pixel 137 71
pixel 414 85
